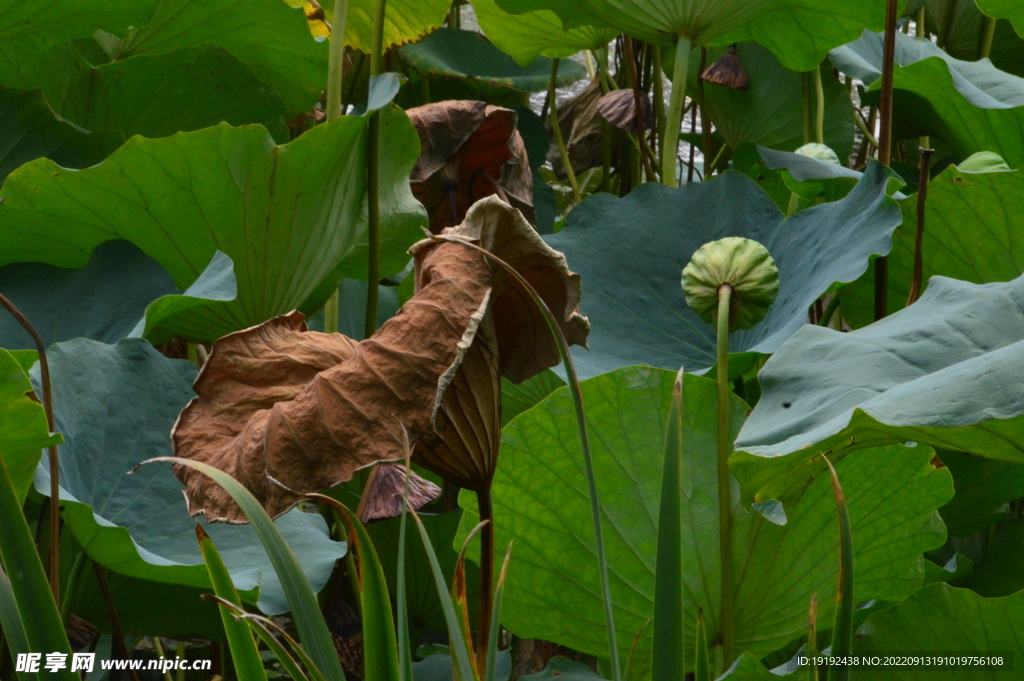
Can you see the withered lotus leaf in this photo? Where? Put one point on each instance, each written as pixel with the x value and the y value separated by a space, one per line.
pixel 618 107
pixel 727 71
pixel 580 123
pixel 287 411
pixel 382 497
pixel 468 150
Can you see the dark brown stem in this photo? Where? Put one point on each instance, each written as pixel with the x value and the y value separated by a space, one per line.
pixel 115 623
pixel 705 124
pixel 885 143
pixel 483 500
pixel 922 193
pixel 44 374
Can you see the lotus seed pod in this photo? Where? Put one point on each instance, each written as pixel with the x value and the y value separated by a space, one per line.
pixel 746 266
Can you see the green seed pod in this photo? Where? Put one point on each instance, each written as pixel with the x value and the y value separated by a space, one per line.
pixel 746 266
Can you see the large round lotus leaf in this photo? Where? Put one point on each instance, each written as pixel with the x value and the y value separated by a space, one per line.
pixel 971 227
pixel 959 27
pixel 60 20
pixel 983 489
pixel 630 253
pixel 936 373
pixel 942 620
pixel 115 405
pixel 971 106
pixel 540 501
pixel 770 113
pixel 528 36
pixel 107 299
pixel 405 21
pixel 1005 9
pixel 268 36
pixel 29 130
pixel 23 430
pixel 799 33
pixel 290 217
pixel 451 53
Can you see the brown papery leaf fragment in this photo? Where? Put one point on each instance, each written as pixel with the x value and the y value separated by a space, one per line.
pixel 382 496
pixel 727 71
pixel 287 411
pixel 468 151
pixel 618 107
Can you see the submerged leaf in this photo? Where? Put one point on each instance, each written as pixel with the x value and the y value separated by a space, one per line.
pixel 469 150
pixel 288 411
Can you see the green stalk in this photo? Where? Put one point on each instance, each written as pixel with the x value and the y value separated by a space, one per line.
pixel 920 32
pixel 805 107
pixel 724 498
pixel 702 665
pixel 885 143
pixel 581 423
pixel 557 132
pixel 606 128
pixel 335 75
pixel 990 34
pixel 819 111
pixel 673 119
pixel 811 649
pixel 830 310
pixel 372 175
pixel 659 93
pixel 842 628
pixel 72 585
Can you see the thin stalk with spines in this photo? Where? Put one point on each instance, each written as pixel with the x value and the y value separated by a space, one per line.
pixel 819 109
pixel 674 116
pixel 372 176
pixel 556 130
pixel 335 75
pixel 724 494
pixel 885 143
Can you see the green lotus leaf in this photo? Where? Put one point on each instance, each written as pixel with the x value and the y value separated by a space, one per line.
pixel 971 106
pixel 983 489
pixel 23 429
pixel 268 36
pixel 983 162
pixel 290 217
pixel 748 668
pixel 119 293
pixel 940 619
pixel 1005 9
pixel 997 573
pixel 515 399
pixel 563 668
pixel 959 27
pixel 59 20
pixel 450 53
pixel 137 524
pixel 528 36
pixel 934 373
pixel 29 129
pixel 800 34
pixel 971 222
pixel 405 21
pixel 630 252
pixel 540 501
pixel 770 113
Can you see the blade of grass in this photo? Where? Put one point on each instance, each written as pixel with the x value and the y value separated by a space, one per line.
pixel 581 423
pixel 491 667
pixel 667 659
pixel 30 590
pixel 11 624
pixel 404 644
pixel 842 628
pixel 316 639
pixel 460 649
pixel 702 665
pixel 380 649
pixel 461 600
pixel 811 649
pixel 244 653
pixel 262 626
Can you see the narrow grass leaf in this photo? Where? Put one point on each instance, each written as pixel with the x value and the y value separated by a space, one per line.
pixel 491 666
pixel 316 639
pixel 702 665
pixel 842 629
pixel 11 626
pixel 244 653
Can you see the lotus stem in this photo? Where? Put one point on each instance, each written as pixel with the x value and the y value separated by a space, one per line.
pixel 885 144
pixel 805 106
pixel 819 110
pixel 674 117
pixel 922 194
pixel 659 94
pixel 483 500
pixel 830 310
pixel 72 585
pixel 335 76
pixel 920 31
pixel 372 173
pixel 705 121
pixel 115 622
pixel 724 492
pixel 556 130
pixel 990 34
pixel 53 566
pixel 859 120
pixel 603 79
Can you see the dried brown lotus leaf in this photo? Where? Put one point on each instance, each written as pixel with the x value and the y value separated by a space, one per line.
pixel 580 124
pixel 618 107
pixel 727 71
pixel 287 411
pixel 382 497
pixel 468 150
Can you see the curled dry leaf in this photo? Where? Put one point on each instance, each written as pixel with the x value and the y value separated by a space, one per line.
pixel 287 411
pixel 382 497
pixel 580 124
pixel 618 107
pixel 469 150
pixel 727 71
